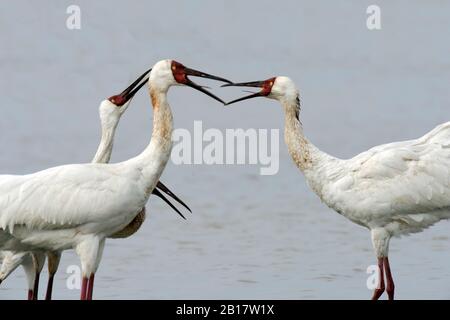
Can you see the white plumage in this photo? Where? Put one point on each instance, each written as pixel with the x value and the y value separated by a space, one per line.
pixel 403 187
pixel 110 112
pixel 79 205
pixel 392 189
pixel 76 195
pixel 46 210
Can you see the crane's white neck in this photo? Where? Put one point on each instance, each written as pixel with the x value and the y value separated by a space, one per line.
pixel 317 166
pixel 30 269
pixel 104 150
pixel 154 158
pixel 162 120
pixel 305 154
pixel 298 146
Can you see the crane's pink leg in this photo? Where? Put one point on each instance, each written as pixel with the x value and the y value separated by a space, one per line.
pixel 90 287
pixel 36 286
pixel 30 294
pixel 380 289
pixel 48 295
pixel 84 284
pixel 390 287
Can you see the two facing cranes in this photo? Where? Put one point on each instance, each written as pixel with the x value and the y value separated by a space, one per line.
pixel 393 189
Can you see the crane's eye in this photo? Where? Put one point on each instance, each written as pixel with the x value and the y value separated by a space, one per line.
pixel 113 100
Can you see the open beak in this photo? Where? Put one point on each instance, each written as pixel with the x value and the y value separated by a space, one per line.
pixel 195 73
pixel 167 191
pixel 161 187
pixel 158 193
pixel 129 92
pixel 253 84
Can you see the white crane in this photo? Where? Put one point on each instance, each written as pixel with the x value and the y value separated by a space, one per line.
pixel 393 189
pixel 110 111
pixel 79 205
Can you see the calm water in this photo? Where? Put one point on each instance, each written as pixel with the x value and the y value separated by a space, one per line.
pixel 250 236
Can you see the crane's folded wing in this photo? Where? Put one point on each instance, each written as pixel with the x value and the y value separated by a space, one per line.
pixel 409 177
pixel 67 196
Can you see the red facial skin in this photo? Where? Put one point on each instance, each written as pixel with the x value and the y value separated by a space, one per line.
pixel 267 86
pixel 118 100
pixel 178 72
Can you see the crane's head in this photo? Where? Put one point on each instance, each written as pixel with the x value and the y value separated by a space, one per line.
pixel 118 104
pixel 167 73
pixel 278 88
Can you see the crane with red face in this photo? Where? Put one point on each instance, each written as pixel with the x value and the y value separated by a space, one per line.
pixel 91 202
pixel 393 189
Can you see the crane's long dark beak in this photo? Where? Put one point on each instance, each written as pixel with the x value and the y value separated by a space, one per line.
pixel 129 92
pixel 158 193
pixel 167 191
pixel 253 84
pixel 195 73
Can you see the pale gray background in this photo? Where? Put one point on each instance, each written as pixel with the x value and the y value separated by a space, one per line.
pixel 250 236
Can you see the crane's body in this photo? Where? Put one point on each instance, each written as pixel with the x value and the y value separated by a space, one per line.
pixel 67 216
pixel 110 115
pixel 78 206
pixel 403 187
pixel 393 189
pixel 22 253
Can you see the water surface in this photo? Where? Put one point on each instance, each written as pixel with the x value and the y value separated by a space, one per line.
pixel 250 236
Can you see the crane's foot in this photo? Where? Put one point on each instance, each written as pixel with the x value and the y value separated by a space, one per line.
pixel 390 287
pixel 36 286
pixel 90 287
pixel 379 291
pixel 84 285
pixel 48 294
pixel 390 292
